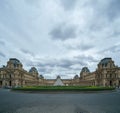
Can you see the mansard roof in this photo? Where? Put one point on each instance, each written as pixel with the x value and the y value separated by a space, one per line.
pixel 33 69
pixel 105 61
pixel 85 69
pixel 15 61
pixel 41 76
pixel 76 77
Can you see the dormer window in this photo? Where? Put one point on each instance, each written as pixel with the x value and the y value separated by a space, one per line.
pixel 110 75
pixel 105 64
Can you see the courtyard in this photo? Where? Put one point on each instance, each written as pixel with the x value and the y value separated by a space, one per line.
pixel 19 102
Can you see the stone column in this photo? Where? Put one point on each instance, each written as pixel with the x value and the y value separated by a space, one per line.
pixel 104 82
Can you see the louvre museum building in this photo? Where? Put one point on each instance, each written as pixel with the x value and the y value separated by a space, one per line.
pixel 13 75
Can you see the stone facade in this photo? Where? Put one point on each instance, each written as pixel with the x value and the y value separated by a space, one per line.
pixel 13 75
pixel 106 74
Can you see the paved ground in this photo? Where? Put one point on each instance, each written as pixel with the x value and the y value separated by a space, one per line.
pixel 14 102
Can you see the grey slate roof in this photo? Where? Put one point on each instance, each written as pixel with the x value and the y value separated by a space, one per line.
pixel 85 69
pixel 33 69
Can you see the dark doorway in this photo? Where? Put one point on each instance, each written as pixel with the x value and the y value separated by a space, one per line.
pixel 0 83
pixel 110 83
pixel 119 84
pixel 10 83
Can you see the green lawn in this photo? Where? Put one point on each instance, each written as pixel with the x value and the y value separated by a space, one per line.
pixel 63 88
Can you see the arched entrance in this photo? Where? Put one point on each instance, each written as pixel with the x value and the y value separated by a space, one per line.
pixel 119 84
pixel 111 83
pixel 10 83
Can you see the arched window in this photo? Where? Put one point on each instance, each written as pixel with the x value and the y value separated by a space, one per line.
pixel 10 76
pixel 110 83
pixel 105 64
pixel 106 75
pixel 110 75
pixel 110 65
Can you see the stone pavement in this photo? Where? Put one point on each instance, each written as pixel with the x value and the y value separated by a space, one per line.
pixel 15 102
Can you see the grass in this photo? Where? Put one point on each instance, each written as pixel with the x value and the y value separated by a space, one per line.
pixel 63 88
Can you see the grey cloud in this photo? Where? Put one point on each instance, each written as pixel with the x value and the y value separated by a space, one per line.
pixel 104 14
pixel 68 4
pixel 71 73
pixel 81 46
pixel 63 32
pixel 85 47
pixel 113 9
pixel 49 77
pixel 29 63
pixel 105 9
pixel 100 20
pixel 26 52
pixel 63 65
pixel 64 76
pixel 32 2
pixel 115 34
pixel 113 49
pixel 2 43
pixel 66 63
pixel 87 58
pixel 2 54
pixel 44 70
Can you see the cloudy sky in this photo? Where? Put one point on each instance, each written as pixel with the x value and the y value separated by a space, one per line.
pixel 59 37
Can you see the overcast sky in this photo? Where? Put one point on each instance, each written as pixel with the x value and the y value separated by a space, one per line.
pixel 59 37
